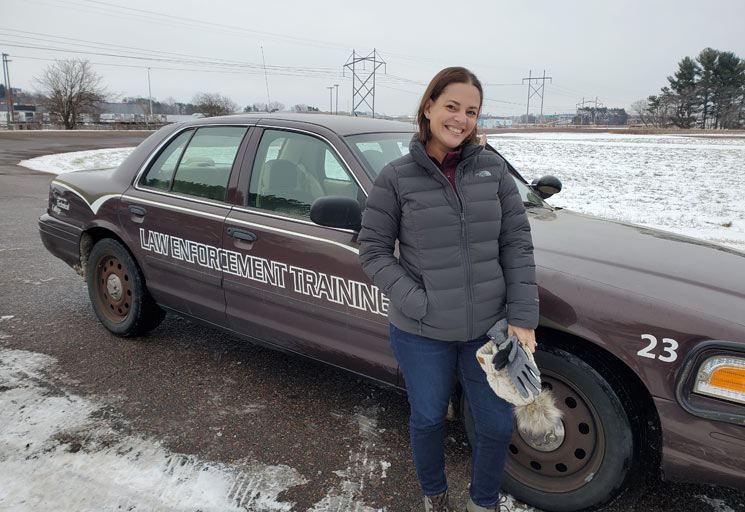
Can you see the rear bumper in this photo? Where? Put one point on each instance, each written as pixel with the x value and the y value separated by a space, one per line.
pixel 61 239
pixel 699 450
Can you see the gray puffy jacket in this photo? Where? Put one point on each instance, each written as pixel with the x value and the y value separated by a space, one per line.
pixel 464 263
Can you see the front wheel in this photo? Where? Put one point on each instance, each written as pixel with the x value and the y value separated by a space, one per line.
pixel 117 291
pixel 586 461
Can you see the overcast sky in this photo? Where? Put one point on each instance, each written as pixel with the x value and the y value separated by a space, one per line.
pixel 618 51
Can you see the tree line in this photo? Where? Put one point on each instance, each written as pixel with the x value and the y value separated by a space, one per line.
pixel 707 92
pixel 70 88
pixel 603 116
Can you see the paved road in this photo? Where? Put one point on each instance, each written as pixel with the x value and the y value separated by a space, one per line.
pixel 279 430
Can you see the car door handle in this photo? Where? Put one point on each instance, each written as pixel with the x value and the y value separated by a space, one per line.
pixel 137 210
pixel 242 235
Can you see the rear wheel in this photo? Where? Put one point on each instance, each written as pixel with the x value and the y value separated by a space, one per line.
pixel 117 291
pixel 586 461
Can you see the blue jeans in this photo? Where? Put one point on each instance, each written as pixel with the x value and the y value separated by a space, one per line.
pixel 429 368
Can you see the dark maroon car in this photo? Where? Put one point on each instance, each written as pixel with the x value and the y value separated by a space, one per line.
pixel 249 224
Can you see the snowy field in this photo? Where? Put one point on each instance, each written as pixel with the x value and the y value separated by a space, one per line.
pixel 686 184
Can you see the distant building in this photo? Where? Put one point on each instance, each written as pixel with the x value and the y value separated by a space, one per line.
pixel 495 122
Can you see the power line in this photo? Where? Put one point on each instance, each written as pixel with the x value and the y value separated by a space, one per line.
pixel 97 44
pixel 215 67
pixel 107 9
pixel 153 55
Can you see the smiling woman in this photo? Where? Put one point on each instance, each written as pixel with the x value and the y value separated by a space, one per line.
pixel 452 118
pixel 465 266
pixel 449 110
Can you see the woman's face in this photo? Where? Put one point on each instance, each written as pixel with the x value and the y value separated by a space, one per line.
pixel 452 116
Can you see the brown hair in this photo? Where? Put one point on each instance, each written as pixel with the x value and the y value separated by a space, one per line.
pixel 447 76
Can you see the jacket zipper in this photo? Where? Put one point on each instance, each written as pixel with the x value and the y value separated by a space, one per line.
pixel 464 237
pixel 466 252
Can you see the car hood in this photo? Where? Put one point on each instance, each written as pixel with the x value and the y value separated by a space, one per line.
pixel 685 271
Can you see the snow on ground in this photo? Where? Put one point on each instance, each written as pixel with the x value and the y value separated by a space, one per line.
pixel 59 452
pixel 78 160
pixel 691 185
pixel 716 504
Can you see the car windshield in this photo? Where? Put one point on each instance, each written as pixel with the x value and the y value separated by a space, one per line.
pixel 376 150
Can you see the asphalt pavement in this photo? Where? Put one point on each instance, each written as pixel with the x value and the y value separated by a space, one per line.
pixel 204 394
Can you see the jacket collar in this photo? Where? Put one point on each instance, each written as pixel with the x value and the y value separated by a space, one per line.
pixel 419 153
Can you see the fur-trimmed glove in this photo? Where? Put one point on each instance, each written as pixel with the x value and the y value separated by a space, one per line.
pixel 513 375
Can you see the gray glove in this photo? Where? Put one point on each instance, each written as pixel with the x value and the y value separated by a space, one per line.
pixel 498 331
pixel 521 369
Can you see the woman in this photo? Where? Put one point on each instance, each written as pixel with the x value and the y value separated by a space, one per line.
pixel 466 262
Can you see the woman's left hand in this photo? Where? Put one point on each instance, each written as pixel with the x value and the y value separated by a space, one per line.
pixel 524 335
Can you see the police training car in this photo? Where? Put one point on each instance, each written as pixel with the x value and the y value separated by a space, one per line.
pixel 249 223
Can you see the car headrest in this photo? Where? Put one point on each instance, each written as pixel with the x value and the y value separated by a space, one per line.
pixel 375 158
pixel 283 175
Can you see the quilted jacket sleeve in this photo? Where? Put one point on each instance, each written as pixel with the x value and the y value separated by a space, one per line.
pixel 516 257
pixel 377 238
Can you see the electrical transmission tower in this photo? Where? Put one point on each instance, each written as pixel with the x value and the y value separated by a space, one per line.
pixel 535 89
pixel 364 90
pixel 582 110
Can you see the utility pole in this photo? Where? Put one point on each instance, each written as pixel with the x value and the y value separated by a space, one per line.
pixel 331 101
pixel 8 93
pixel 535 89
pixel 150 92
pixel 357 92
pixel 336 110
pixel 266 79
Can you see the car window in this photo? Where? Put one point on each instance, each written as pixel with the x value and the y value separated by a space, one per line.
pixel 160 173
pixel 375 150
pixel 205 166
pixel 333 170
pixel 291 170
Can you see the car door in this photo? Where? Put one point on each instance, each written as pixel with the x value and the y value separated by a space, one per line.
pixel 292 282
pixel 174 215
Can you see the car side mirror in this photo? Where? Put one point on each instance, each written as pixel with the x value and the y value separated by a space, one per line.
pixel 336 212
pixel 546 186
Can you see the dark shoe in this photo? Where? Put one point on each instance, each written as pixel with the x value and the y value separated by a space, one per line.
pixel 439 503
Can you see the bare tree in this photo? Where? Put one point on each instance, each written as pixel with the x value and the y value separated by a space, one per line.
pixel 274 106
pixel 213 104
pixel 71 88
pixel 639 110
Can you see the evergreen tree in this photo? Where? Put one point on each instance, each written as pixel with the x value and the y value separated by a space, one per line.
pixel 708 91
pixel 707 60
pixel 683 93
pixel 729 86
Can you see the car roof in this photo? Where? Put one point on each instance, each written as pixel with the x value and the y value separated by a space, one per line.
pixel 343 125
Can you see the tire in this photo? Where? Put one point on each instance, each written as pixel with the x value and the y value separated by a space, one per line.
pixel 117 291
pixel 586 465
